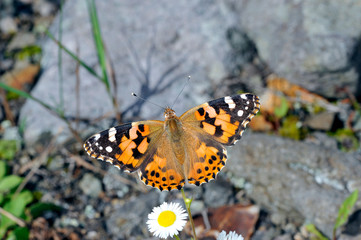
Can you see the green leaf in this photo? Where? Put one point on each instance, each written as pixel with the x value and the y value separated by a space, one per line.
pixel 8 149
pixel 282 110
pixel 19 233
pixel 317 234
pixel 38 209
pixel 2 169
pixel 15 206
pixel 290 128
pixel 28 51
pixel 345 209
pixel 9 182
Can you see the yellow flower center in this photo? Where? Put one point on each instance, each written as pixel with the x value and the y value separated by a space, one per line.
pixel 166 218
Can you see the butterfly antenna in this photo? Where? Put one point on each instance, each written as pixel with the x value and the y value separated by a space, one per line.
pixel 189 78
pixel 145 100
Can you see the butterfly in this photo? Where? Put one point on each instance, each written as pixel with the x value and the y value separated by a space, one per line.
pixel 189 148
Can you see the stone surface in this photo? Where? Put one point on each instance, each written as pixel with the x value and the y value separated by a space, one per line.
pixel 208 40
pixel 217 193
pixel 303 180
pixel 321 121
pixel 114 186
pixel 90 185
pixel 8 25
pixel 128 218
pixel 152 56
pixel 21 40
pixel 307 42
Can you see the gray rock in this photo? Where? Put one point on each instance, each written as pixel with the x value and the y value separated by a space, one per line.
pixel 217 193
pixel 302 180
pixel 90 185
pixel 8 25
pixel 284 237
pixel 197 207
pixel 348 237
pixel 115 186
pixel 321 121
pixel 306 41
pixel 322 139
pixel 43 8
pixel 209 40
pixel 128 218
pixel 152 56
pixel 21 40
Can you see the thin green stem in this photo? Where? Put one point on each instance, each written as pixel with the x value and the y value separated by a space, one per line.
pixel 187 203
pixel 176 237
pixel 88 68
pixel 60 61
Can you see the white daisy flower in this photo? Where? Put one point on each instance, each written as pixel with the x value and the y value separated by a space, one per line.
pixel 230 236
pixel 167 220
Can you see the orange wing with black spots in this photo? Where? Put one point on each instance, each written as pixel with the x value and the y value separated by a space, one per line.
pixel 223 119
pixel 190 148
pixel 125 146
pixel 163 169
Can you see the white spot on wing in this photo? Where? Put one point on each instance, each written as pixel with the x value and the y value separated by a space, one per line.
pixel 230 102
pixel 240 113
pixel 109 149
pixel 243 96
pixel 112 133
pixel 96 137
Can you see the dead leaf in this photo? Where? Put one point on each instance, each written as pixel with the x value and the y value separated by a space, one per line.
pixel 19 78
pixel 292 90
pixel 260 123
pixel 239 218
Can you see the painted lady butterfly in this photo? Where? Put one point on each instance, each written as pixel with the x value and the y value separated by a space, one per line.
pixel 189 148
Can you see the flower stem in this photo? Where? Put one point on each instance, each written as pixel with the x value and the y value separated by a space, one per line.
pixel 188 202
pixel 176 237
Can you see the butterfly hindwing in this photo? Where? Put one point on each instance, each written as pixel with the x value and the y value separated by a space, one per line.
pixel 162 169
pixel 124 146
pixel 225 119
pixel 170 153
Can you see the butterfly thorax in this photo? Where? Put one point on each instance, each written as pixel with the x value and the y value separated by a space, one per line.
pixel 174 131
pixel 172 124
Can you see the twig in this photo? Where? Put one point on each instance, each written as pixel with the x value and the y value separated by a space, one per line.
pixel 81 162
pixel 206 219
pixel 35 165
pixel 17 220
pixel 9 114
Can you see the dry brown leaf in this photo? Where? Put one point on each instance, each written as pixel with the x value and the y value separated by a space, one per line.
pixel 19 78
pixel 239 218
pixel 259 123
pixel 292 90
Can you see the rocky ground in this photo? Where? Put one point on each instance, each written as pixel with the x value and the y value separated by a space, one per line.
pixel 278 178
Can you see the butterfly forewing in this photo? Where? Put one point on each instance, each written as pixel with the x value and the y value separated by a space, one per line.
pixel 125 146
pixel 224 119
pixel 190 150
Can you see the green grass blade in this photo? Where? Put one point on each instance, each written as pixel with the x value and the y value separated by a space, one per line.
pixel 98 42
pixel 26 95
pixel 317 234
pixel 345 209
pixel 60 59
pixel 82 63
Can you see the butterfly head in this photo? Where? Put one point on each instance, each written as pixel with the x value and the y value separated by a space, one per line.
pixel 169 113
